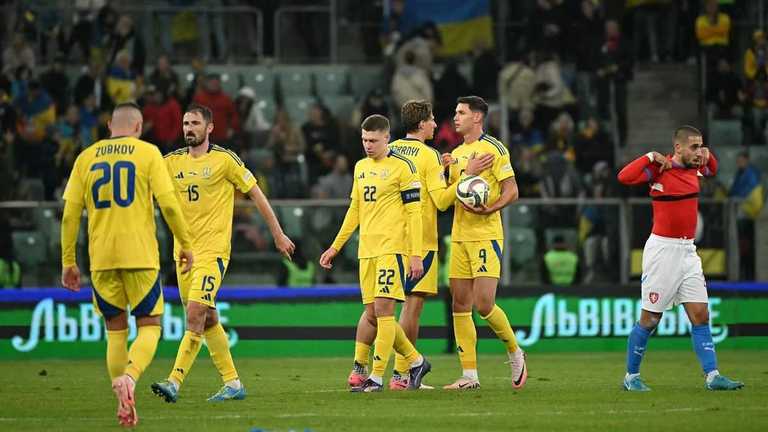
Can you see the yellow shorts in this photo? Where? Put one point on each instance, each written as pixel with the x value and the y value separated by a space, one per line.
pixel 427 285
pixel 473 259
pixel 382 276
pixel 201 284
pixel 115 290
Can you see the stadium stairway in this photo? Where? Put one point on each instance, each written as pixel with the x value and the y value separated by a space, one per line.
pixel 660 98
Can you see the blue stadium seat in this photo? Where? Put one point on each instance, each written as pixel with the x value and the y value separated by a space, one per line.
pixel 294 80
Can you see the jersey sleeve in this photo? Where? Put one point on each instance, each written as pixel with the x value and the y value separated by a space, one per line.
pixel 240 176
pixel 74 191
pixel 435 174
pixel 351 218
pixel 502 167
pixel 159 177
pixel 410 189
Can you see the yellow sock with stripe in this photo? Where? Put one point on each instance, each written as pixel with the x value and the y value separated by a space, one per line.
pixel 188 349
pixel 142 350
pixel 385 340
pixel 402 366
pixel 362 352
pixel 405 349
pixel 117 352
pixel 499 323
pixel 466 339
pixel 218 346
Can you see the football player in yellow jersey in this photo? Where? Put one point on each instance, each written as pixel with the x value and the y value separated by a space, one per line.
pixel 477 237
pixel 115 180
pixel 420 126
pixel 386 206
pixel 206 176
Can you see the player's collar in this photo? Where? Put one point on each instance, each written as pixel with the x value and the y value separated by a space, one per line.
pixel 210 147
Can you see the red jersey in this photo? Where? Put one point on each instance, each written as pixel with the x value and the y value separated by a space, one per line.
pixel 675 193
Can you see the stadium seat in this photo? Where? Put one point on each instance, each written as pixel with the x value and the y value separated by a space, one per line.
pixel 294 80
pixel 32 189
pixel 292 219
pixel 230 79
pixel 262 81
pixel 340 106
pixel 570 235
pixel 297 108
pixel 267 107
pixel 331 80
pixel 47 223
pixel 364 79
pixel 726 167
pixel 758 155
pixel 522 245
pixel 29 247
pixel 725 133
pixel 522 216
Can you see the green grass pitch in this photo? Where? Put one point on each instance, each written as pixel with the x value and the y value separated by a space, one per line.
pixel 574 391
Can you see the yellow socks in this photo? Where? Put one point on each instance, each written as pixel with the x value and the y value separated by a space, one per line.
pixel 402 366
pixel 142 350
pixel 117 352
pixel 385 340
pixel 466 339
pixel 499 323
pixel 405 349
pixel 362 352
pixel 218 346
pixel 188 349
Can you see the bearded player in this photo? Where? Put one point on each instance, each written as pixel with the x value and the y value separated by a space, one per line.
pixel 672 272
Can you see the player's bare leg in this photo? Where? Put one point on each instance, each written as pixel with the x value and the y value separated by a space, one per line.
pixel 409 321
pixel 636 344
pixel 698 314
pixel 484 291
pixel 364 337
pixel 466 334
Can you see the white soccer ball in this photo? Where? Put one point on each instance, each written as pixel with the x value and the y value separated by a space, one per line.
pixel 473 191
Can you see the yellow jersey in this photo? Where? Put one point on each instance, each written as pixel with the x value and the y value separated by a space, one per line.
pixel 115 180
pixel 473 227
pixel 206 188
pixel 432 177
pixel 385 198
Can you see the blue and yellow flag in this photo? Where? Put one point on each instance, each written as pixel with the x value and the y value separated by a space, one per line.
pixel 462 23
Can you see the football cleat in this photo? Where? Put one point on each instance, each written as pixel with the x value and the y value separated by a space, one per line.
pixel 166 390
pixel 463 383
pixel 720 382
pixel 398 382
pixel 226 393
pixel 518 367
pixel 635 384
pixel 416 374
pixel 369 386
pixel 358 375
pixel 123 386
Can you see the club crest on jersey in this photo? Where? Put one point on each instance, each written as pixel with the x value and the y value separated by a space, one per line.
pixel 657 186
pixel 384 173
pixel 207 172
pixel 653 297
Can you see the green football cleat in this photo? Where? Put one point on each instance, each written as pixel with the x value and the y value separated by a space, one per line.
pixel 226 393
pixel 635 384
pixel 166 390
pixel 720 382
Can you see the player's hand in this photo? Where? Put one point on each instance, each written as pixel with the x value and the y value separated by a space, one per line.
pixel 284 245
pixel 416 268
pixel 482 210
pixel 662 160
pixel 186 259
pixel 447 159
pixel 476 165
pixel 704 156
pixel 70 278
pixel 327 257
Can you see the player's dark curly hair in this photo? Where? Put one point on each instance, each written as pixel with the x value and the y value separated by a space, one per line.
pixel 414 112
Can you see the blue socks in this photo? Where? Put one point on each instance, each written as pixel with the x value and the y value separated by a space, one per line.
pixel 704 347
pixel 636 344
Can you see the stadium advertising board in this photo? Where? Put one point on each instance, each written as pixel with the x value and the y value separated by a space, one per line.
pixel 321 322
